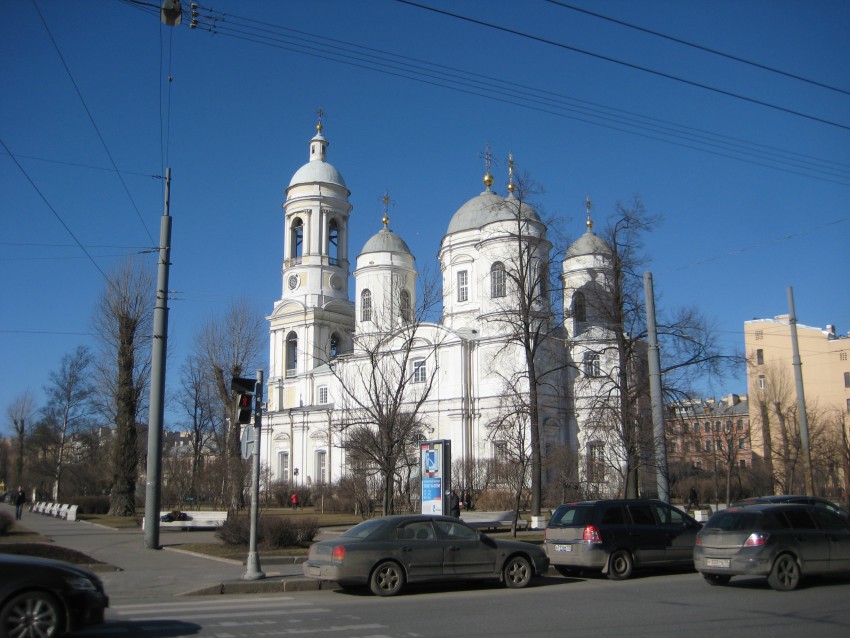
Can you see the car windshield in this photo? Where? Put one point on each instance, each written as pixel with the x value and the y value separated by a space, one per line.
pixel 364 529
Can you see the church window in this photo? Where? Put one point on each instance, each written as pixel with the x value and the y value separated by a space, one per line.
pixel 596 462
pixel 579 308
pixel 404 303
pixel 420 371
pixel 497 280
pixel 283 465
pixel 591 364
pixel 366 305
pixel 333 350
pixel 321 466
pixel 291 354
pixel 323 395
pixel 333 243
pixel 462 285
pixel 296 239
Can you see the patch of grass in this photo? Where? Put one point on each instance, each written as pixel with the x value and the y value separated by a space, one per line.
pixel 48 550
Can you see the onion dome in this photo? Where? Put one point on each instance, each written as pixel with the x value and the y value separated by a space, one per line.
pixel 318 169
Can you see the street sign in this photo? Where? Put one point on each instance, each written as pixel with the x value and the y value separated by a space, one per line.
pixel 247 440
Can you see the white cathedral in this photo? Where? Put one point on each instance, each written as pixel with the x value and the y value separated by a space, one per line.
pixel 317 332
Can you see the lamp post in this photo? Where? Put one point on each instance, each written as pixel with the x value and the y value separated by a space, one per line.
pixel 295 473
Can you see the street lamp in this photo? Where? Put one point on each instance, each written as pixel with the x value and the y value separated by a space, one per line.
pixel 295 473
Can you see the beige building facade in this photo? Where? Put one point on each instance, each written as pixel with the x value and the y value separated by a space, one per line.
pixel 825 364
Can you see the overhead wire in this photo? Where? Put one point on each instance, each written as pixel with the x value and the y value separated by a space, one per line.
pixel 631 65
pixel 92 120
pixel 700 47
pixel 351 54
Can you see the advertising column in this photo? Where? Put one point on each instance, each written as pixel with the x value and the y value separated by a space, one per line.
pixel 435 467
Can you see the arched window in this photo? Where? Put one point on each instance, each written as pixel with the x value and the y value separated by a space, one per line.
pixel 296 239
pixel 497 280
pixel 404 306
pixel 579 308
pixel 333 349
pixel 291 354
pixel 366 305
pixel 333 242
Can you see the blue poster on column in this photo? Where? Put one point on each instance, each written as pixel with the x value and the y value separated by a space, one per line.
pixel 435 475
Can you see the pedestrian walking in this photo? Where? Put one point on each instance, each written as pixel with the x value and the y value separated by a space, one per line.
pixel 454 505
pixel 20 500
pixel 293 501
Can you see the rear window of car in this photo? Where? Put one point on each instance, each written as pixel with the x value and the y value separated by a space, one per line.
pixel 735 521
pixel 362 530
pixel 572 516
pixel 614 515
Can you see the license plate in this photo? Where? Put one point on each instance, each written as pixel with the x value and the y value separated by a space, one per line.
pixel 717 562
pixel 563 548
pixel 314 571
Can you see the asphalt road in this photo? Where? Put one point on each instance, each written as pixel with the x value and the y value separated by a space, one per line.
pixel 678 604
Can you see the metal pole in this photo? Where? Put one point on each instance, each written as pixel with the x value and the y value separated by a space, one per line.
pixel 253 571
pixel 158 362
pixel 656 400
pixel 802 417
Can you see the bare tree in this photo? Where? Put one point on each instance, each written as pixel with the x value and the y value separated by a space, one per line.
pixel 514 449
pixel 123 323
pixel 68 407
pixel 519 286
pixel 226 347
pixel 620 406
pixel 198 398
pixel 385 381
pixel 20 414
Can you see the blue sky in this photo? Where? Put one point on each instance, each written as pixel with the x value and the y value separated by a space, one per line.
pixel 752 179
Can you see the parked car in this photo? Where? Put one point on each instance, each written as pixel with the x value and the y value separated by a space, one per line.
pixel 388 552
pixel 784 542
pixel 616 536
pixel 794 498
pixel 44 597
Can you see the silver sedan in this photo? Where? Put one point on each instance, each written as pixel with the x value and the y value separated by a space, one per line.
pixel 388 552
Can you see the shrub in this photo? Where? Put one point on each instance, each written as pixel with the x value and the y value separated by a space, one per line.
pixel 6 522
pixel 92 504
pixel 273 532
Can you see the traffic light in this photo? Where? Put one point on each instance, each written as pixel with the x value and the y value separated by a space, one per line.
pixel 244 407
pixel 244 398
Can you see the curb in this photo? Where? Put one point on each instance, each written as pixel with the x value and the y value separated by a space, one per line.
pixel 263 586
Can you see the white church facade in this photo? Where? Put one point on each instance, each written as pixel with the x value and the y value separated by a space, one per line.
pixel 460 365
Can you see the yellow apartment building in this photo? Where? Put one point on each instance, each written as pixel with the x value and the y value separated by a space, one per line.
pixel 773 404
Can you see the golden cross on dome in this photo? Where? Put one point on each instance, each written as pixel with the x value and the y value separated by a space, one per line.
pixel 511 186
pixel 488 161
pixel 588 204
pixel 385 220
pixel 320 113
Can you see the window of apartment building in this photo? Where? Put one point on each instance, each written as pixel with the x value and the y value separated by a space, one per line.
pixel 762 383
pixel 847 379
pixel 698 446
pixel 708 445
pixel 462 285
pixel 323 394
pixel 420 371
pixel 591 364
pixel 707 426
pixel 687 447
pixel 698 465
pixel 497 280
pixel 848 406
pixel 742 444
pixel 686 428
pixel 283 465
pixel 321 466
pixel 760 357
pixel 674 447
pixel 842 356
pixel 740 425
pixel 759 335
pixel 717 426
pixel 742 463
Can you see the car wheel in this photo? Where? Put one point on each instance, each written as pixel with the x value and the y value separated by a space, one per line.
pixel 517 572
pixel 717 579
pixel 785 574
pixel 620 565
pixel 387 579
pixel 32 614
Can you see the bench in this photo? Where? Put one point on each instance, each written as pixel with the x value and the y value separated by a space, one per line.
pixel 70 514
pixel 491 520
pixel 192 520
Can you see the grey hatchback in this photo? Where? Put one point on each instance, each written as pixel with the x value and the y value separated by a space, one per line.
pixel 616 536
pixel 783 542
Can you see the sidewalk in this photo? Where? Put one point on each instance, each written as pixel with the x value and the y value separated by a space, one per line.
pixel 138 573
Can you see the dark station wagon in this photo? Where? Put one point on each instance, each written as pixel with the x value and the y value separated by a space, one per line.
pixel 615 536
